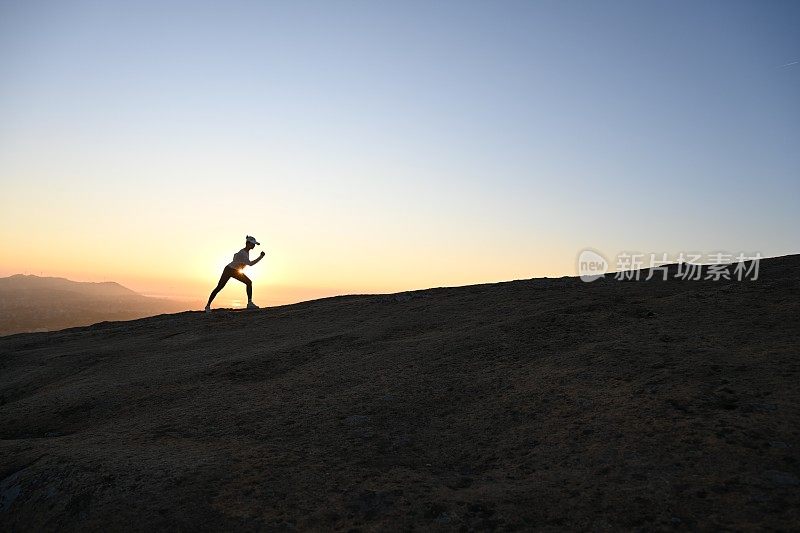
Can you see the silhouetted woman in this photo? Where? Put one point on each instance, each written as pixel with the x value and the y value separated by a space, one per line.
pixel 241 259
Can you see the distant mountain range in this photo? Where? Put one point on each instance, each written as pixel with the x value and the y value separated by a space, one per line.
pixel 33 303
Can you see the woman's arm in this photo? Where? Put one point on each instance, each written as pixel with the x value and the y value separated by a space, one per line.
pixel 259 258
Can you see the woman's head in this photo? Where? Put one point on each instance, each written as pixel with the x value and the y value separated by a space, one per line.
pixel 250 242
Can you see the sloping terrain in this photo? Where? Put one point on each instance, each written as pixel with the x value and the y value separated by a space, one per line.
pixel 547 404
pixel 33 303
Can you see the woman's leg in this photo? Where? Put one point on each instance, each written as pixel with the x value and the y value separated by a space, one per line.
pixel 223 279
pixel 249 284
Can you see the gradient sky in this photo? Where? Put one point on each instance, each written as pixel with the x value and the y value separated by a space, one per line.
pixel 383 146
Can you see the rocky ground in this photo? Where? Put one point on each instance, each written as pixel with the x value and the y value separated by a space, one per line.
pixel 546 404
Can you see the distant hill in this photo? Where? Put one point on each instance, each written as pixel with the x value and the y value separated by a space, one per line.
pixel 34 303
pixel 544 404
pixel 23 282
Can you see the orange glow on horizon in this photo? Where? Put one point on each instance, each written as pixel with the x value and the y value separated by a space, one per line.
pixel 301 263
pixel 283 276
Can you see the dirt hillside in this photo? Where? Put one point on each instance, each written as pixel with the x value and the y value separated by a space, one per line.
pixel 547 404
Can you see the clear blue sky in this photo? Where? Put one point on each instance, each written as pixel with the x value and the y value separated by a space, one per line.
pixel 378 141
